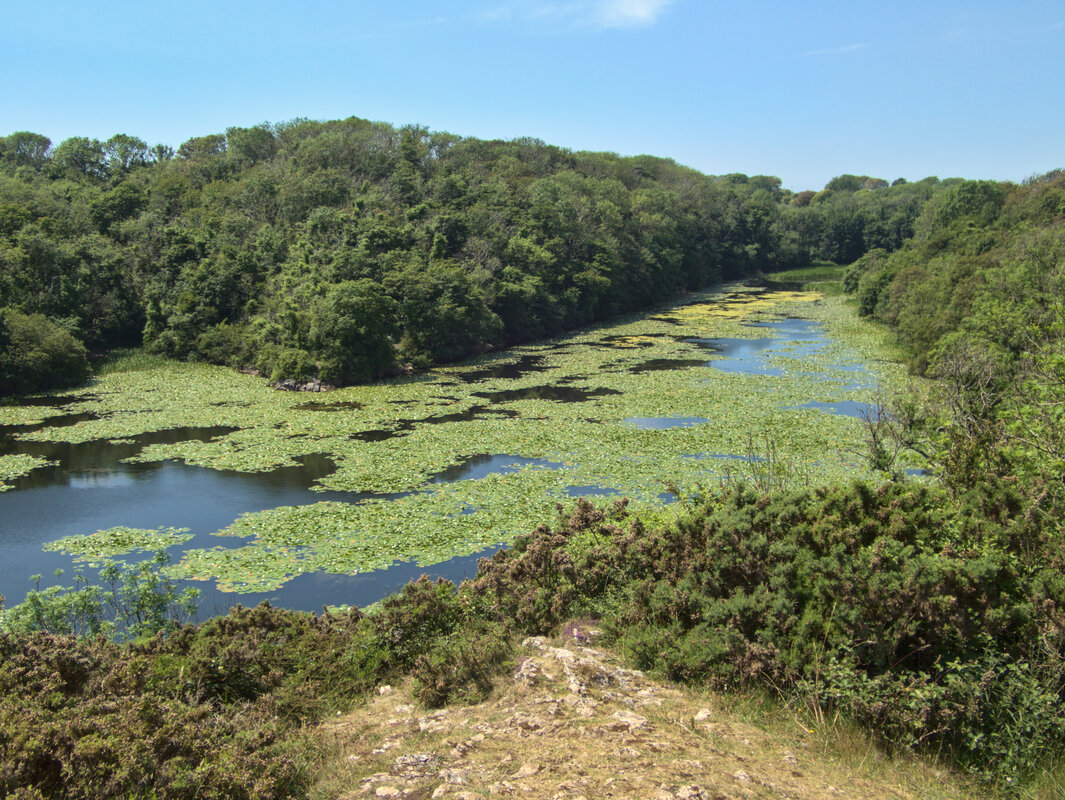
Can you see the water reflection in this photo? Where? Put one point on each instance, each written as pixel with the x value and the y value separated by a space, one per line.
pixel 843 408
pixel 483 465
pixel 798 338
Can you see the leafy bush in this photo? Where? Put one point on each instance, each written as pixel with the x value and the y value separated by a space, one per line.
pixel 134 601
pixel 36 355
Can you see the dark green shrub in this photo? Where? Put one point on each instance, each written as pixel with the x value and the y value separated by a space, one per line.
pixel 934 625
pixel 461 667
pixel 36 355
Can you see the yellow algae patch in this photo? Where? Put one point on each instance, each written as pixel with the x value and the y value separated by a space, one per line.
pixel 737 306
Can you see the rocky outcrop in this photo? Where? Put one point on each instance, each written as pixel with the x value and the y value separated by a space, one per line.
pixel 313 385
pixel 572 722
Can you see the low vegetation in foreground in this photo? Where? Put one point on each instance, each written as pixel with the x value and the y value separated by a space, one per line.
pixel 938 629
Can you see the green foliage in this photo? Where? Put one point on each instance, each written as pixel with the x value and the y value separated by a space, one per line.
pixel 37 355
pixel 933 625
pixel 937 628
pixel 119 541
pixel 353 331
pixel 212 711
pixel 133 601
pixel 336 250
pixel 461 667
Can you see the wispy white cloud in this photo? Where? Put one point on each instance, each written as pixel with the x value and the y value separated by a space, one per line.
pixel 629 13
pixel 579 13
pixel 837 51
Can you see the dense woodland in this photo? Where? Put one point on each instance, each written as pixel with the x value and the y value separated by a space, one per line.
pixel 932 613
pixel 348 250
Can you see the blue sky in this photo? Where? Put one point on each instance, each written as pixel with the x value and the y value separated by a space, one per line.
pixel 802 90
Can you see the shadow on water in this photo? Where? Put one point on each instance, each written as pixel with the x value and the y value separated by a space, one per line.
pixel 404 426
pixel 526 365
pixel 558 394
pixel 665 364
pixel 628 341
pixel 349 405
pixel 47 401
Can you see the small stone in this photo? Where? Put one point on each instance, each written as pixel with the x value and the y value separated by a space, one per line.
pixel 414 761
pixel 453 776
pixel 527 722
pixel 741 776
pixel 404 709
pixel 383 690
pixel 692 792
pixel 526 771
pixel 702 715
pixel 387 791
pixel 628 720
pixel 440 791
pixel 790 758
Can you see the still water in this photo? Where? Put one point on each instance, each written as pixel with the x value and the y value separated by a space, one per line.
pixel 90 486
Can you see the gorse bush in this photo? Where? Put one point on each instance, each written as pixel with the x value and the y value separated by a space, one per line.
pixel 218 710
pixel 936 628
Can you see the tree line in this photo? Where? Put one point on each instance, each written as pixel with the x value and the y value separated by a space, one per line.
pixel 348 250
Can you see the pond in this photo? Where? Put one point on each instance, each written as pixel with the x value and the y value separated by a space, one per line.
pixel 341 499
